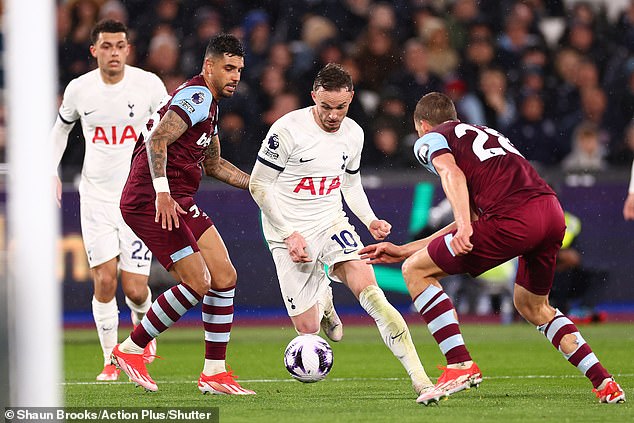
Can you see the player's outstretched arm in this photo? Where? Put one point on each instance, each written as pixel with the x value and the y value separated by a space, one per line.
pixel 168 130
pixel 383 252
pixel 221 169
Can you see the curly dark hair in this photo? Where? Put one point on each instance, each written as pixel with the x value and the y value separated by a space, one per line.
pixel 333 77
pixel 109 26
pixel 224 43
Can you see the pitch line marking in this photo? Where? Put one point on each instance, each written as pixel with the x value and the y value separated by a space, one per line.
pixel 349 379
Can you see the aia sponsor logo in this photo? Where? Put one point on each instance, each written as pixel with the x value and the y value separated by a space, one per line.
pixel 318 186
pixel 113 135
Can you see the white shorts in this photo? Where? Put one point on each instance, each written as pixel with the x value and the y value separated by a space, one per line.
pixel 107 236
pixel 302 284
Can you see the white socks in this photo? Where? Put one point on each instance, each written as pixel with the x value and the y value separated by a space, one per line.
pixel 394 333
pixel 107 321
pixel 106 317
pixel 139 310
pixel 213 367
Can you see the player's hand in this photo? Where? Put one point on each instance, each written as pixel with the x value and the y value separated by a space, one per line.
pixel 380 229
pixel 167 211
pixel 628 208
pixel 461 241
pixel 58 190
pixel 383 252
pixel 296 245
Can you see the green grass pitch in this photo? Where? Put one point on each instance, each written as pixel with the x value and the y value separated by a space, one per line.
pixel 525 379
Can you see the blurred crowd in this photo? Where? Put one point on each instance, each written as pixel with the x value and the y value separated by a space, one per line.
pixel 556 77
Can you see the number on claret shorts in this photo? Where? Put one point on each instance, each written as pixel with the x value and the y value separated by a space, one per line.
pixel 138 254
pixel 346 240
pixel 194 209
pixel 482 137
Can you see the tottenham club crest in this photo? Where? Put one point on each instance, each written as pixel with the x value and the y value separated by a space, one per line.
pixel 198 97
pixel 274 141
pixel 343 166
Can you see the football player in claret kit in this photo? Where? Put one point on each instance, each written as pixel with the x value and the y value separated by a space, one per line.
pixel 308 160
pixel 179 143
pixel 113 103
pixel 502 209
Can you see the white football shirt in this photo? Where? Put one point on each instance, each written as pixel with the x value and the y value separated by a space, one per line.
pixel 312 163
pixel 111 116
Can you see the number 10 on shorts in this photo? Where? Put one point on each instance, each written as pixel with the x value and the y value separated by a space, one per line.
pixel 346 240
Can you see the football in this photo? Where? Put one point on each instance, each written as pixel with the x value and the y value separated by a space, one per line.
pixel 308 358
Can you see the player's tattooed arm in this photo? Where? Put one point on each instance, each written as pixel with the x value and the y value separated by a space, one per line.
pixel 168 130
pixel 221 169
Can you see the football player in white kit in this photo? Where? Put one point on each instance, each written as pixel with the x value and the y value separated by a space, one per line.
pixel 112 102
pixel 308 160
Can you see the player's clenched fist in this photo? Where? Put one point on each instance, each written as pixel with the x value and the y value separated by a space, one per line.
pixel 380 229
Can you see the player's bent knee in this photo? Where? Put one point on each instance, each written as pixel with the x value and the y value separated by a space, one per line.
pixel 407 269
pixel 136 294
pixel 412 274
pixel 201 285
pixel 224 279
pixel 205 285
pixel 105 279
pixel 105 286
